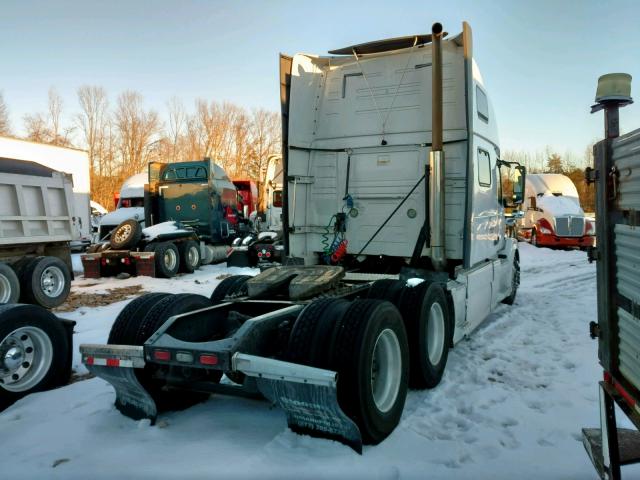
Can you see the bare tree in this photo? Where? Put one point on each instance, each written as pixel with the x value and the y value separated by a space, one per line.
pixel 177 124
pixel 36 128
pixel 91 121
pixel 137 129
pixel 5 124
pixel 47 128
pixel 55 114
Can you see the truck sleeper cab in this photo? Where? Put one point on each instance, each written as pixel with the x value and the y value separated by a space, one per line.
pixel 395 250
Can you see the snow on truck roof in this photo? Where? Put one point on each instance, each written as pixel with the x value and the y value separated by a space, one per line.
pixel 133 186
pixel 550 183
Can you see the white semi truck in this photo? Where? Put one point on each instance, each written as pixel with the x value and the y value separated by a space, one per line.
pixel 553 216
pixel 395 251
pixel 130 205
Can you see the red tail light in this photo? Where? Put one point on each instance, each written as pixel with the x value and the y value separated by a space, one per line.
pixel 208 359
pixel 162 355
pixel 103 261
pixel 260 254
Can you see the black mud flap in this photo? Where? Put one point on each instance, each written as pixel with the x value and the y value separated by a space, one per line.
pixel 312 410
pixel 132 399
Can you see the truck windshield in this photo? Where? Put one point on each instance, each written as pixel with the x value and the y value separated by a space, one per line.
pixel 184 173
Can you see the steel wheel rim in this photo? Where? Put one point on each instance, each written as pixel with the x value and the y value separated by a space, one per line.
pixel 386 370
pixel 52 281
pixel 435 334
pixel 192 256
pixel 25 357
pixel 123 233
pixel 170 259
pixel 5 289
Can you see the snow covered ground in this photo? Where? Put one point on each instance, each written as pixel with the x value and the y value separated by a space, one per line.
pixel 511 404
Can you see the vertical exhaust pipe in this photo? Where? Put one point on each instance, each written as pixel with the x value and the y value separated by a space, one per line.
pixel 436 155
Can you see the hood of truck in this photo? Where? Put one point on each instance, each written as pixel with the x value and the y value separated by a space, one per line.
pixel 122 214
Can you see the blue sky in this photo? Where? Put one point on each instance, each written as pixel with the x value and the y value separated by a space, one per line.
pixel 540 59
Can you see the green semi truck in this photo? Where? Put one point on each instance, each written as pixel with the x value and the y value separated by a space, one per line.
pixel 190 216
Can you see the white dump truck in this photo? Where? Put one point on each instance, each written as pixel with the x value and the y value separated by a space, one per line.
pixel 62 159
pixel 553 216
pixel 36 228
pixel 395 251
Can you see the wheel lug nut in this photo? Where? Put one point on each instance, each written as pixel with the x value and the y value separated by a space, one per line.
pixel 15 376
pixel 28 350
pixel 25 364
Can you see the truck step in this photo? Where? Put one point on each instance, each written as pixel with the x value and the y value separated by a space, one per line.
pixel 628 447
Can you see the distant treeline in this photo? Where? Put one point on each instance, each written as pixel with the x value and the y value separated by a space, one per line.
pixel 121 138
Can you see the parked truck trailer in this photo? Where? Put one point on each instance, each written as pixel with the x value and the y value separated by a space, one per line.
pixel 382 173
pixel 616 175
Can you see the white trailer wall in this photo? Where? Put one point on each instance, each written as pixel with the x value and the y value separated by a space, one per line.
pixel 68 160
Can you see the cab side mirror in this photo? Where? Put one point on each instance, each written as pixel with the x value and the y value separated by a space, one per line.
pixel 518 186
pixel 512 183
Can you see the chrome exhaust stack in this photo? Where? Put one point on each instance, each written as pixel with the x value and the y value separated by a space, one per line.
pixel 436 156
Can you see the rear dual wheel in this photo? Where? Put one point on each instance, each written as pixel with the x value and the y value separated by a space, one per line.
pixel 45 281
pixel 366 343
pixel 426 314
pixel 140 319
pixel 34 352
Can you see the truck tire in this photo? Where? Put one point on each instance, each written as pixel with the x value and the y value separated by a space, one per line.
pixel 426 315
pixel 167 260
pixel 150 247
pixel 515 280
pixel 156 316
pixel 126 235
pixel 189 256
pixel 310 338
pixel 386 289
pixel 233 285
pixel 45 281
pixel 369 350
pixel 35 350
pixel 9 284
pixel 125 327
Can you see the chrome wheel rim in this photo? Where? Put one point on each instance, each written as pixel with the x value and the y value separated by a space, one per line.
pixel 170 259
pixel 25 357
pixel 386 370
pixel 52 281
pixel 123 233
pixel 435 334
pixel 5 289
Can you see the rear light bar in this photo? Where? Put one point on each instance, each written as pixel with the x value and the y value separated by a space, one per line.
pixel 208 359
pixel 162 355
